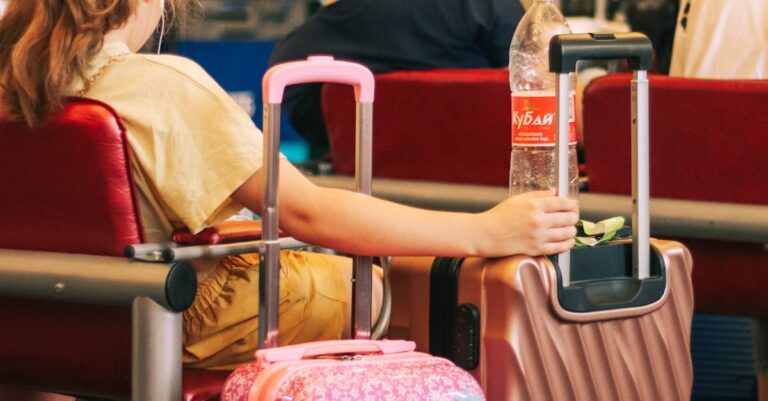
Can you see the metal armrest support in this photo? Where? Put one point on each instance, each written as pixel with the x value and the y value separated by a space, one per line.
pixel 170 252
pixel 156 292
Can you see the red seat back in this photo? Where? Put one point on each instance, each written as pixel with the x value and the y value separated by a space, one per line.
pixel 67 187
pixel 67 184
pixel 440 125
pixel 708 142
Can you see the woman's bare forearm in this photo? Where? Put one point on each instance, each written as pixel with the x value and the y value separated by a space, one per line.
pixel 355 223
pixel 535 223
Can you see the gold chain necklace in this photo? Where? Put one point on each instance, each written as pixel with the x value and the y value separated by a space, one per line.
pixel 87 84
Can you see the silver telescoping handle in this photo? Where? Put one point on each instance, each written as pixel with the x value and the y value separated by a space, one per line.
pixel 564 52
pixel 314 69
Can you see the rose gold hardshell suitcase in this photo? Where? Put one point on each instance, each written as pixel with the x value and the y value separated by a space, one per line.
pixel 614 327
pixel 359 369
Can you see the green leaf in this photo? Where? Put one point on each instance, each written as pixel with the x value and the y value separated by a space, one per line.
pixel 602 226
pixel 588 227
pixel 608 228
pixel 586 241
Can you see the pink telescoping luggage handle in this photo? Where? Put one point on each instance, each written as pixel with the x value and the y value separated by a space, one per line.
pixel 314 69
pixel 309 350
pixel 564 52
pixel 317 69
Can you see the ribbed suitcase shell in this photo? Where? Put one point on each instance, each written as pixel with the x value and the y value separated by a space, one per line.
pixel 532 349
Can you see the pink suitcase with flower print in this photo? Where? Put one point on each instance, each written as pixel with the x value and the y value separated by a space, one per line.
pixel 360 369
pixel 350 370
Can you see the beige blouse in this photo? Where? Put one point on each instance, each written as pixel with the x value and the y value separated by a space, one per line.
pixel 192 144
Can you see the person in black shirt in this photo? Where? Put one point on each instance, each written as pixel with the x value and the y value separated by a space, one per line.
pixel 389 35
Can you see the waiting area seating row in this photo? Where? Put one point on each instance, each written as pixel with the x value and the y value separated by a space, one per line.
pixel 441 125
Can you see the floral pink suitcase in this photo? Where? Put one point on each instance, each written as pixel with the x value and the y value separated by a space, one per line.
pixel 350 370
pixel 359 369
pixel 611 322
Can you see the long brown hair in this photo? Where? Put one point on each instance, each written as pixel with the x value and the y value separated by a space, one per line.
pixel 45 45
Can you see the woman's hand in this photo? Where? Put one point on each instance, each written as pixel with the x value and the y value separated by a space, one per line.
pixel 534 223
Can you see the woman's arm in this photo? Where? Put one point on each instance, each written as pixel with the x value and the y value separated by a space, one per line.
pixel 535 223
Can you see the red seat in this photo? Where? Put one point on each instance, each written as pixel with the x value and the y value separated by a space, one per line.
pixel 440 125
pixel 708 143
pixel 67 187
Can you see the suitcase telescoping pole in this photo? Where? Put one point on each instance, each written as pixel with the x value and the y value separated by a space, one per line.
pixel 314 69
pixel 564 52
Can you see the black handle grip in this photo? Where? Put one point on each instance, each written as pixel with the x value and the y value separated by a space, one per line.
pixel 601 279
pixel 566 50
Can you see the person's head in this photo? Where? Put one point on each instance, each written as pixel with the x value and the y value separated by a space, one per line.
pixel 45 44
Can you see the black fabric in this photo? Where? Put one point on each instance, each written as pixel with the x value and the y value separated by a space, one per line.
pixel 390 35
pixel 657 19
pixel 443 299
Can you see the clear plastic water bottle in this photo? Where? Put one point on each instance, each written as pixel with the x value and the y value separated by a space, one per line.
pixel 534 125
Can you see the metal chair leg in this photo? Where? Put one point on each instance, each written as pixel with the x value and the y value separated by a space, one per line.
pixel 156 353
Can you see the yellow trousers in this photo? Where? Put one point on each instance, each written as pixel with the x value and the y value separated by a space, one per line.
pixel 221 327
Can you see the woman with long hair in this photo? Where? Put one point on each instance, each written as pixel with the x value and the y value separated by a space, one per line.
pixel 197 160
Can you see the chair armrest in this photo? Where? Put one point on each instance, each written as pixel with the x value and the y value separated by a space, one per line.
pixel 95 279
pixel 669 217
pixel 222 233
pixel 170 252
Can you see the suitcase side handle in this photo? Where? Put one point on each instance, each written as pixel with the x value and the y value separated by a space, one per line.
pixel 311 350
pixel 566 50
pixel 317 69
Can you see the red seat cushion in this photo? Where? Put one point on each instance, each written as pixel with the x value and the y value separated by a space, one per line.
pixel 203 385
pixel 441 125
pixel 57 346
pixel 729 277
pixel 708 142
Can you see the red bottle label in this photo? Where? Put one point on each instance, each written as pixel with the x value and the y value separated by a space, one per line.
pixel 534 123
